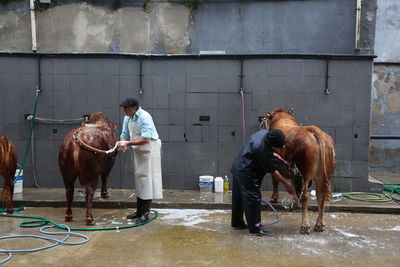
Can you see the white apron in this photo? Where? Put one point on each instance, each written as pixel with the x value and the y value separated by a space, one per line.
pixel 147 165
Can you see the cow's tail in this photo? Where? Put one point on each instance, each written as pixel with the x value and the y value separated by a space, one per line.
pixel 318 134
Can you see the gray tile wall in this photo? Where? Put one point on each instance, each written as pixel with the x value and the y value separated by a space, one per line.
pixel 176 93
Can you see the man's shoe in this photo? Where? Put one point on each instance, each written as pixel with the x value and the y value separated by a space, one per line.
pixel 133 216
pixel 240 227
pixel 260 232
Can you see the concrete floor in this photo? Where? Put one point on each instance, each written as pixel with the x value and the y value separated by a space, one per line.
pixel 192 237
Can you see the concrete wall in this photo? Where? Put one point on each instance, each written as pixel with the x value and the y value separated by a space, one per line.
pixel 313 26
pixel 179 90
pixel 176 93
pixel 385 116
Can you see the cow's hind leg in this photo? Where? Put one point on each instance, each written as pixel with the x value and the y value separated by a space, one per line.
pixel 90 189
pixel 8 190
pixel 320 224
pixel 104 192
pixel 69 188
pixel 7 198
pixel 305 224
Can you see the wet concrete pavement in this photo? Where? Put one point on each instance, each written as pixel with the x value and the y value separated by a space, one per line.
pixel 189 237
pixel 193 229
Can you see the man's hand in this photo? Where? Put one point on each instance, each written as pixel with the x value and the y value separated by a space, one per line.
pixel 122 143
pixel 290 189
pixel 280 158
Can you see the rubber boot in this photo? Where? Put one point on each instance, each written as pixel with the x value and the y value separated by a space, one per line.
pixel 139 209
pixel 144 216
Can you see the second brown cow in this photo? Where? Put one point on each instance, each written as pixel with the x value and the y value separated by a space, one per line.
pixel 310 153
pixel 81 155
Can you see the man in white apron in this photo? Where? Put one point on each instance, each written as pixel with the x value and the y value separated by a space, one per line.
pixel 139 131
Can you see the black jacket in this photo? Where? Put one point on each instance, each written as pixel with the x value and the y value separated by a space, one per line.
pixel 255 160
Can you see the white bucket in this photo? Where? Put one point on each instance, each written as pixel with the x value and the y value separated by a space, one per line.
pixel 206 183
pixel 18 181
pixel 219 185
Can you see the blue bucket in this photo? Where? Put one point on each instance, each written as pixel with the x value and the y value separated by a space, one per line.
pixel 206 183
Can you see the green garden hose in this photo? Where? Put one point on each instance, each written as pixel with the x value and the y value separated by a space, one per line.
pixel 28 144
pixel 393 188
pixel 368 197
pixel 40 221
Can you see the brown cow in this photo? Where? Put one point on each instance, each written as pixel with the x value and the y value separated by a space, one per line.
pixel 310 153
pixel 82 154
pixel 8 166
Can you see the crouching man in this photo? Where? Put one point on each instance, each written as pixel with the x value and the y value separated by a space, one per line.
pixel 256 158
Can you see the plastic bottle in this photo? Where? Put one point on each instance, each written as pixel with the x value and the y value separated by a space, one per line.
pixel 219 184
pixel 226 184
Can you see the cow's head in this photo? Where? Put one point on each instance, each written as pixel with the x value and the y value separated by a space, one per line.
pixel 271 115
pixel 99 119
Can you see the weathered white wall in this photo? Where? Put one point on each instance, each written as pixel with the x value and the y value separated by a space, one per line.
pixel 387 38
pixel 162 27
pixel 80 27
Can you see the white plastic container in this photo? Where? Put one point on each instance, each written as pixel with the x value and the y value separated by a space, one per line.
pixel 19 179
pixel 219 185
pixel 206 183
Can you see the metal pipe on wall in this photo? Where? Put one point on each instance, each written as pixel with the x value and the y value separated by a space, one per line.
pixel 327 90
pixel 358 26
pixel 140 76
pixel 196 56
pixel 385 137
pixel 33 25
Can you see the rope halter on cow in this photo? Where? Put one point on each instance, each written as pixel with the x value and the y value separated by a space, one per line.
pixel 88 147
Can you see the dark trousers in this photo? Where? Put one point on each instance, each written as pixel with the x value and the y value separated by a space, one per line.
pixel 246 198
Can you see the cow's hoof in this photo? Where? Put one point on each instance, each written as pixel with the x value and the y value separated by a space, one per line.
pixel 273 200
pixel 104 195
pixel 319 227
pixel 10 211
pixel 90 222
pixel 68 218
pixel 305 230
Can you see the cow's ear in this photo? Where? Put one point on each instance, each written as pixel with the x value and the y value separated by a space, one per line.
pixel 290 111
pixel 268 115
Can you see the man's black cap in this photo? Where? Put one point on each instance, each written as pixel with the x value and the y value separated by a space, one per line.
pixel 276 138
pixel 129 102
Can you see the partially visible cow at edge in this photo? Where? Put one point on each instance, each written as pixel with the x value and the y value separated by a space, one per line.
pixel 310 154
pixel 8 166
pixel 82 155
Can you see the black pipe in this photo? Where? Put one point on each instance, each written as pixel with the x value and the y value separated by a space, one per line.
pixel 327 91
pixel 39 74
pixel 241 74
pixel 387 63
pixel 163 56
pixel 385 137
pixel 140 76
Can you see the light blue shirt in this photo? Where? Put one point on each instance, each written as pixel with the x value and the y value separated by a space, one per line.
pixel 146 125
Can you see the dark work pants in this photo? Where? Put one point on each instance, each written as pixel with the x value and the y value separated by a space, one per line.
pixel 246 198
